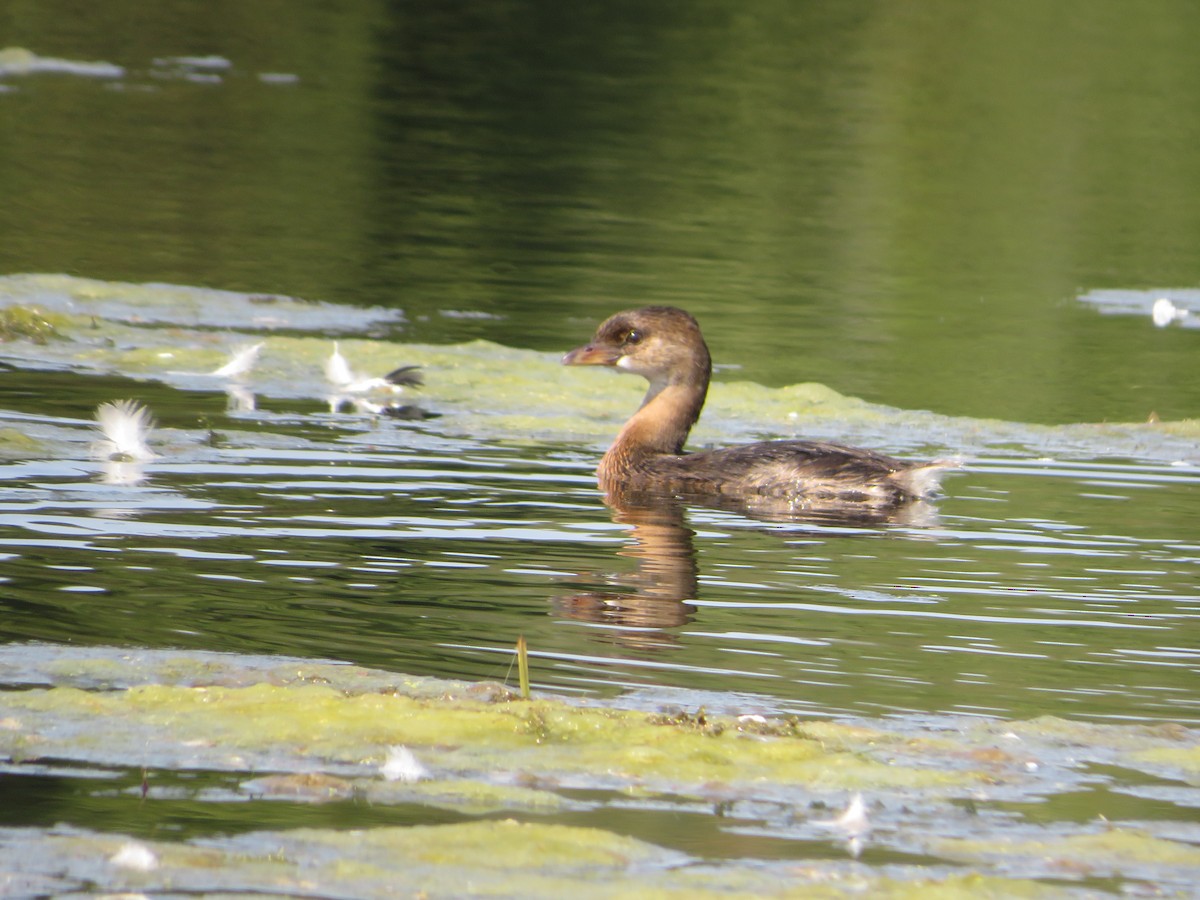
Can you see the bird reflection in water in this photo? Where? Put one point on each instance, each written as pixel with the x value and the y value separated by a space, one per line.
pixel 652 597
pixel 641 606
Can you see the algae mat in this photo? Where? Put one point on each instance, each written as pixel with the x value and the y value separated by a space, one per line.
pixel 504 796
pixel 182 336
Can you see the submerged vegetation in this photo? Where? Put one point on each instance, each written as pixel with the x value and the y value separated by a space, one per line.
pixel 27 323
pixel 298 731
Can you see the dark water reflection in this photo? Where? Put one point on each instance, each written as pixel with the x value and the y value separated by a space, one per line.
pixel 642 605
pixel 658 595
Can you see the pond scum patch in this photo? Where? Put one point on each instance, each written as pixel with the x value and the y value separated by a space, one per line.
pixel 181 336
pixel 520 776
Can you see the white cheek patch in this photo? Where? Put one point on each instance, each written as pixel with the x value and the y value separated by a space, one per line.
pixel 624 362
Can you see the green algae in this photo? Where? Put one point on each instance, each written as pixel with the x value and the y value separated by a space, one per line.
pixel 312 786
pixel 491 858
pixel 1071 732
pixel 182 306
pixel 1187 428
pixel 1104 851
pixel 104 667
pixel 312 732
pixel 176 334
pixel 123 670
pixel 29 323
pixel 150 360
pixel 512 845
pixel 16 444
pixel 1184 762
pixel 955 887
pixel 463 795
pixel 230 714
pixel 544 736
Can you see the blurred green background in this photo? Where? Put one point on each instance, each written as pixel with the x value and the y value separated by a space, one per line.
pixel 901 200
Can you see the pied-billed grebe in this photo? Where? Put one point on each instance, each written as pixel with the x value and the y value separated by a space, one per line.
pixel 664 345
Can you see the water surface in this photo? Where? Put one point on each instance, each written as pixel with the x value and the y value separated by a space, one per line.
pixel 1051 577
pixel 930 230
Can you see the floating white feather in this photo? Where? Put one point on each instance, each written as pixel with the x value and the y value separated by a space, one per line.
pixel 135 856
pixel 1164 312
pixel 241 361
pixel 402 765
pixel 853 824
pixel 126 426
pixel 337 369
pixel 339 374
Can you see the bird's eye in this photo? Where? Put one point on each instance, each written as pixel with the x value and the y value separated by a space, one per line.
pixel 633 337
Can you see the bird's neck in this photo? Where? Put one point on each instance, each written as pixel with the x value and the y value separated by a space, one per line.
pixel 660 426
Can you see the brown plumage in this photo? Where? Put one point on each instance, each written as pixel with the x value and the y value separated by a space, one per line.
pixel 664 345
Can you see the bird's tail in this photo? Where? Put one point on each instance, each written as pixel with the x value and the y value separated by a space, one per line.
pixel 925 481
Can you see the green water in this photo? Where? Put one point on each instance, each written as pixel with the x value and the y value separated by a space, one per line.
pixel 899 202
pixel 884 217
